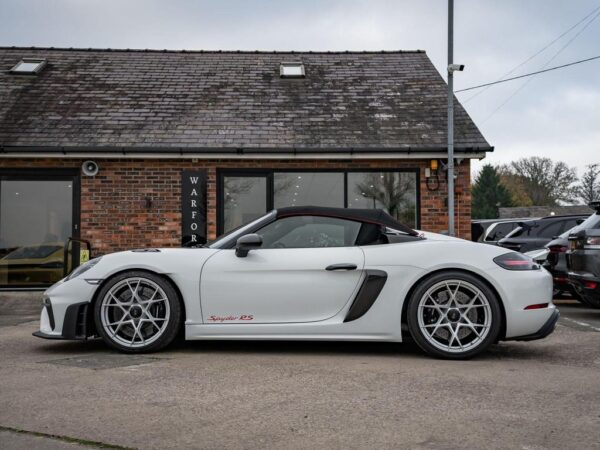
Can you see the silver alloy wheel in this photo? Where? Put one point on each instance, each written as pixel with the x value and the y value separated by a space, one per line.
pixel 454 316
pixel 135 312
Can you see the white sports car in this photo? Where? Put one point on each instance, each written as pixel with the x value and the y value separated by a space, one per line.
pixel 308 273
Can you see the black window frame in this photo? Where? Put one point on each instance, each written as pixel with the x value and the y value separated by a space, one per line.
pixel 270 191
pixel 72 175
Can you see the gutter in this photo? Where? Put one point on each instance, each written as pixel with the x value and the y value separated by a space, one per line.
pixel 421 152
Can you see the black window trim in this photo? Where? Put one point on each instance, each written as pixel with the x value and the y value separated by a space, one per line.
pixel 73 175
pixel 269 175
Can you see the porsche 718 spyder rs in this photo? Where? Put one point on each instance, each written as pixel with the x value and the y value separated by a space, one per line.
pixel 308 273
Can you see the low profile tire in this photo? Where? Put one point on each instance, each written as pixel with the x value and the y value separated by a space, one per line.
pixel 454 315
pixel 137 312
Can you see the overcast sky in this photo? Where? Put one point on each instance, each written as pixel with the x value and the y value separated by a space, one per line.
pixel 556 114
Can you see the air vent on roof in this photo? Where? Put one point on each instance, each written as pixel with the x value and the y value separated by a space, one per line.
pixel 291 70
pixel 29 66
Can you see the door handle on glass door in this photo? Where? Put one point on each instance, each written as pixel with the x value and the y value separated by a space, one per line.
pixel 342 266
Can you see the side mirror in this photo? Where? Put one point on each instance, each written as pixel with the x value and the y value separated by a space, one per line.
pixel 247 243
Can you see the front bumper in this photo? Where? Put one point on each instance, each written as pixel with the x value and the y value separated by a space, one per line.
pixel 66 311
pixel 543 332
pixel 77 322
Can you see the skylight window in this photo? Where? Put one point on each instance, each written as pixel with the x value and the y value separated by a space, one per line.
pixel 291 70
pixel 29 66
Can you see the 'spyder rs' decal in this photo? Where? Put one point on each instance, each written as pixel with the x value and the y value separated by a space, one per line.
pixel 230 318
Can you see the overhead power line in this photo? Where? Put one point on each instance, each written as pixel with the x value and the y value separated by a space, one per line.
pixel 518 66
pixel 560 50
pixel 528 74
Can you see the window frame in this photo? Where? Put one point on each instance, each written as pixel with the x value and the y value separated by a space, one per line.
pixel 269 174
pixel 71 175
pixel 41 63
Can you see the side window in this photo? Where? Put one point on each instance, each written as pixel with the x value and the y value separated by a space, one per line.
pixel 569 224
pixel 309 232
pixel 500 231
pixel 551 230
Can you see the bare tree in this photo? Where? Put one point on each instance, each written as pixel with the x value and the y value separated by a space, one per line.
pixel 588 188
pixel 547 183
pixel 393 192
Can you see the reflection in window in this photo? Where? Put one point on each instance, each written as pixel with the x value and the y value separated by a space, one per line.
pixel 306 188
pixel 309 232
pixel 244 199
pixel 395 192
pixel 35 222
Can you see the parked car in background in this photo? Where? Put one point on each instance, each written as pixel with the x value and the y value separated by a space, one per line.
pixel 556 262
pixel 583 261
pixel 490 231
pixel 535 234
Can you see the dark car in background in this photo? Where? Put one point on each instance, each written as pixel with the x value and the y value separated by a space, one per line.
pixel 583 262
pixel 535 234
pixel 490 231
pixel 556 262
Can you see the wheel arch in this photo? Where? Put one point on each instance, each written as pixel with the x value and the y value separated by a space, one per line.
pixel 164 276
pixel 414 286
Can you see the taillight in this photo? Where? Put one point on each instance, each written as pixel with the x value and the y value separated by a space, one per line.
pixel 516 261
pixel 558 248
pixel 592 242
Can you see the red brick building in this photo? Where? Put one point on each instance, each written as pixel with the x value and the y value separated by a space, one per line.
pixel 188 145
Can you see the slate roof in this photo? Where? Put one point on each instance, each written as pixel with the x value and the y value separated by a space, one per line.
pixel 202 100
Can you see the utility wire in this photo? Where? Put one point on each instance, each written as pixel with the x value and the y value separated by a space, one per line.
pixel 510 97
pixel 528 74
pixel 518 66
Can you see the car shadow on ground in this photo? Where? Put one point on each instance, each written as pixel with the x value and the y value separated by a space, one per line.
pixel 503 350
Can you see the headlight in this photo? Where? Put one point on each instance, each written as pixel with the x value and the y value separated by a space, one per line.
pixel 83 268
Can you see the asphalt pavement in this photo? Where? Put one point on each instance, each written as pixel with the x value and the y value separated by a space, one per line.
pixel 525 395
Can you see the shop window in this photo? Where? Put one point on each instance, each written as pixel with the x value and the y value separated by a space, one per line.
pixel 36 220
pixel 244 199
pixel 247 195
pixel 308 188
pixel 395 192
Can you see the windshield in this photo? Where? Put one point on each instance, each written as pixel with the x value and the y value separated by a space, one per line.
pixel 226 239
pixel 591 222
pixel 33 252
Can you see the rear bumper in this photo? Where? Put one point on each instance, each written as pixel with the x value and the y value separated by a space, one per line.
pixel 544 331
pixel 581 283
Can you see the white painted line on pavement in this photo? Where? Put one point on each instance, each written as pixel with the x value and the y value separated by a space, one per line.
pixel 583 324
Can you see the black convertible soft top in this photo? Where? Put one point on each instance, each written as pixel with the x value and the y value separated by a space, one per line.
pixel 378 216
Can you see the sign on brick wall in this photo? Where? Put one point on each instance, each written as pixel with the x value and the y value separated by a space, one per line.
pixel 193 207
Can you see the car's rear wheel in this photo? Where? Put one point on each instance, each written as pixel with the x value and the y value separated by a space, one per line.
pixel 454 315
pixel 137 312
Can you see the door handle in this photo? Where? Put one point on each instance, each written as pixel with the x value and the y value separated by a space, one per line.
pixel 342 266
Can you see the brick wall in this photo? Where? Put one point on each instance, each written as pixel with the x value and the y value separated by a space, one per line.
pixel 114 215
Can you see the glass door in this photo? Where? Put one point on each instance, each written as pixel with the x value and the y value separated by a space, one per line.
pixel 38 215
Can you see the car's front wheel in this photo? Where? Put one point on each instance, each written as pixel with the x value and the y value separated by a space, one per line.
pixel 137 312
pixel 454 315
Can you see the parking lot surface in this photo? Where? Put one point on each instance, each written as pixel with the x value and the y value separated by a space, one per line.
pixel 525 395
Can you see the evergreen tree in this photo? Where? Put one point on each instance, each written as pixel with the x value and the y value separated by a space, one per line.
pixel 588 188
pixel 488 193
